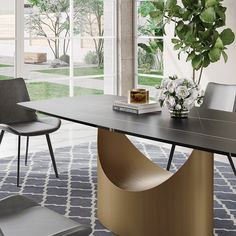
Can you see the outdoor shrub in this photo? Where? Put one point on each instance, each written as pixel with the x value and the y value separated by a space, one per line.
pixel 91 58
pixel 145 59
pixel 65 58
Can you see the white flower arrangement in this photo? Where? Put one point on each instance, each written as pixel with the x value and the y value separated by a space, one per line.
pixel 179 94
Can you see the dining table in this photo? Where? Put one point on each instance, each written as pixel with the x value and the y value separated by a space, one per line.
pixel 124 175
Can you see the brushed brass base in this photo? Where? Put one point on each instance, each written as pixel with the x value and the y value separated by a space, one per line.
pixel 138 198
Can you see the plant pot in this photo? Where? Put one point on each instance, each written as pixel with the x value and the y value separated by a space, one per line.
pixel 179 113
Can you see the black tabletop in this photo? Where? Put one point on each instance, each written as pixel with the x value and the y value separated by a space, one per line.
pixel 209 130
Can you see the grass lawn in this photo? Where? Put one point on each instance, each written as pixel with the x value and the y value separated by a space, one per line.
pixel 4 65
pixel 3 77
pixel 150 81
pixel 152 72
pixel 81 71
pixel 143 80
pixel 46 90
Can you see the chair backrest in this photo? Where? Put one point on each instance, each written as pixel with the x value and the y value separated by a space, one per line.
pixel 11 92
pixel 220 97
pixel 1 233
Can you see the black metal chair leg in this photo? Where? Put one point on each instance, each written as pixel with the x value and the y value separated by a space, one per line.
pixel 1 136
pixel 231 163
pixel 52 155
pixel 18 162
pixel 26 152
pixel 170 157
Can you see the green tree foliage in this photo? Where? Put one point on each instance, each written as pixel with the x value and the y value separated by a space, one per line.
pixel 154 47
pixel 198 29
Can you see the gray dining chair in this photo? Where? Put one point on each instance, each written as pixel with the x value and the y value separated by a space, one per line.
pixel 20 216
pixel 21 122
pixel 218 97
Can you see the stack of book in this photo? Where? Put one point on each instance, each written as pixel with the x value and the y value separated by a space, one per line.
pixel 136 108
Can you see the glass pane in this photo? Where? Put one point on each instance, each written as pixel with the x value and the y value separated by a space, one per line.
pixel 46 75
pixel 88 86
pixel 47 18
pixel 150 56
pixel 148 26
pixel 149 80
pixel 88 57
pixel 7 52
pixel 88 18
pixel 46 89
pixel 7 19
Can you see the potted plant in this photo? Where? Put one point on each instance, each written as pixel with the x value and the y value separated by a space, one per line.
pixel 199 30
pixel 179 95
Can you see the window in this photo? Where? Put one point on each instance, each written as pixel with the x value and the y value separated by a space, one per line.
pixel 149 47
pixel 65 44
pixel 7 39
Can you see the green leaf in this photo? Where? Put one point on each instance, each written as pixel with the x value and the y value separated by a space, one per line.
pixel 190 56
pixel 179 26
pixel 219 44
pixel 153 45
pixel 176 11
pixel 145 47
pixel 170 4
pixel 160 45
pixel 159 4
pixel 175 41
pixel 225 56
pixel 227 36
pixel 186 3
pixel 206 61
pixel 215 54
pixel 156 14
pixel 208 15
pixel 186 15
pixel 210 3
pixel 220 11
pixel 197 62
pixel 177 46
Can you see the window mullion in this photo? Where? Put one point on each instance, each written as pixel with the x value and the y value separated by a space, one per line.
pixel 71 48
pixel 19 44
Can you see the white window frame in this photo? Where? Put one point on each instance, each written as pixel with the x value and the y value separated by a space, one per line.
pixel 20 40
pixel 136 39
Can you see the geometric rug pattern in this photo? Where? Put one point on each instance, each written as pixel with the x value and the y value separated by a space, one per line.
pixel 74 193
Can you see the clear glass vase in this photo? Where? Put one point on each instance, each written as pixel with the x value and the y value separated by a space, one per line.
pixel 178 113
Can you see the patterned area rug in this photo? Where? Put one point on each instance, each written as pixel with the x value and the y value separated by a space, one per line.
pixel 74 194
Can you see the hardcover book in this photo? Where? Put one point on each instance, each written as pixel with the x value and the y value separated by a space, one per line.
pixel 125 106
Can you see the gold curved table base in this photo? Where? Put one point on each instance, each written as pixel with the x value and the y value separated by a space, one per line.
pixel 138 198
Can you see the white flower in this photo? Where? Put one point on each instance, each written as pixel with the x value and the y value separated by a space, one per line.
pixel 182 92
pixel 194 94
pixel 189 103
pixel 179 93
pixel 171 86
pixel 179 82
pixel 165 82
pixel 162 95
pixel 178 107
pixel 170 102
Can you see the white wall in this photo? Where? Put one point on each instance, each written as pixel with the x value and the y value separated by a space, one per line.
pixel 217 72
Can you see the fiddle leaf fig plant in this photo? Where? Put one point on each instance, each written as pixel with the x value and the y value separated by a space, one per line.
pixel 199 30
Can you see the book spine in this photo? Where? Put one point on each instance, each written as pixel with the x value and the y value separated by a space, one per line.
pixel 125 109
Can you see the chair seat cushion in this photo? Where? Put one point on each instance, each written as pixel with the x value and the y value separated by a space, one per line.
pixel 34 220
pixel 39 126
